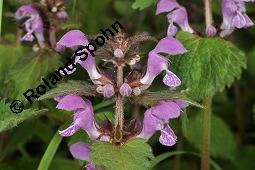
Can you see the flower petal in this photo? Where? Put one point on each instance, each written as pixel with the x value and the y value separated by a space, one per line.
pixel 70 130
pixel 166 6
pixel 170 45
pixel 80 151
pixel 72 39
pixel 166 110
pixel 167 137
pixel 171 80
pixel 180 17
pixel 72 103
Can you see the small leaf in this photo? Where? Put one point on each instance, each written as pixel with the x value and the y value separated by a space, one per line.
pixel 141 4
pixel 71 87
pixel 209 65
pixel 219 146
pixel 9 120
pixel 152 98
pixel 135 154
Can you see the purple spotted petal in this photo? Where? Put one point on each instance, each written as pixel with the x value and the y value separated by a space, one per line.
pixel 80 151
pixel 166 6
pixel 171 80
pixel 70 130
pixel 170 45
pixel 172 30
pixel 72 39
pixel 125 90
pixel 167 137
pixel 234 16
pixel 239 21
pixel 72 103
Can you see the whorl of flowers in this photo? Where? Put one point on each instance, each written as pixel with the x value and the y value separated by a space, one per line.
pixel 38 18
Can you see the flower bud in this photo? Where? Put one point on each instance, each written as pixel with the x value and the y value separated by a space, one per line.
pixel 118 53
pixel 125 90
pixel 108 90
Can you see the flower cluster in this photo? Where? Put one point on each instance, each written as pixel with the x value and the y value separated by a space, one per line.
pixel 123 52
pixel 234 16
pixel 34 18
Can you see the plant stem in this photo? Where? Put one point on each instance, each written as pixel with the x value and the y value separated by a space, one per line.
pixel 208 13
pixel 119 113
pixel 205 134
pixel 52 36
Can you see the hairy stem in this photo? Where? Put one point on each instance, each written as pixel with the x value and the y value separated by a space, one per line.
pixel 52 36
pixel 208 13
pixel 119 115
pixel 205 134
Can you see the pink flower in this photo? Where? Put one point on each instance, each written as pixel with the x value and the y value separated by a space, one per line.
pixel 83 115
pixel 73 39
pixel 33 24
pixel 158 63
pixel 178 17
pixel 157 118
pixel 234 16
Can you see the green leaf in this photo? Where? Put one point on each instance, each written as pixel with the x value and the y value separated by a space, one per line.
pixel 30 70
pixel 71 87
pixel 152 98
pixel 222 143
pixel 141 4
pixel 135 154
pixel 9 120
pixel 9 57
pixel 209 65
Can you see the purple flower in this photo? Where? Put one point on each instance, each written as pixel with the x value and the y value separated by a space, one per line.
pixel 83 115
pixel 179 17
pixel 158 63
pixel 73 39
pixel 157 118
pixel 107 90
pixel 166 6
pixel 234 16
pixel 33 24
pixel 81 151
